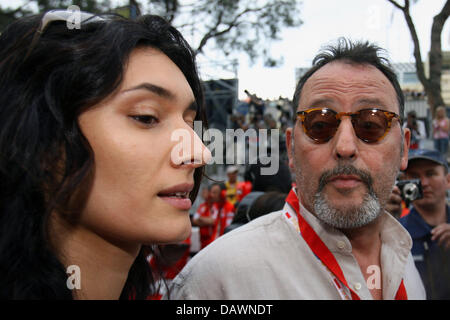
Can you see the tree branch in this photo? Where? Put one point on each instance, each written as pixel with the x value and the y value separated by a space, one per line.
pixel 417 54
pixel 415 39
pixel 396 4
pixel 230 25
pixel 432 84
pixel 209 34
pixel 436 48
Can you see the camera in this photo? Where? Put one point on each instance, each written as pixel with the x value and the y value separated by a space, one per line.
pixel 410 189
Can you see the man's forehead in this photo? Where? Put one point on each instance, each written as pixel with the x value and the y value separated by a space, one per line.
pixel 341 78
pixel 349 72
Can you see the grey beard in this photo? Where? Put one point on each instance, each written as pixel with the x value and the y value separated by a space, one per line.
pixel 351 216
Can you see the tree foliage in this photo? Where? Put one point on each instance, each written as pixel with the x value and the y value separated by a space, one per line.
pixel 226 26
pixel 432 83
pixel 230 25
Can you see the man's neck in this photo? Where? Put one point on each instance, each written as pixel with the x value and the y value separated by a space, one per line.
pixel 366 248
pixel 365 240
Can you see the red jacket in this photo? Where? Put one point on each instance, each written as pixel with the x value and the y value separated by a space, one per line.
pixel 222 213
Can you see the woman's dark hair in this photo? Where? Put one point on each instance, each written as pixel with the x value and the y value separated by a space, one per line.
pixel 353 53
pixel 44 157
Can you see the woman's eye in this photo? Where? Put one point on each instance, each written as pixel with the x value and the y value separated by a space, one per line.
pixel 145 119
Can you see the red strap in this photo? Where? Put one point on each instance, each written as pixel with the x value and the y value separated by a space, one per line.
pixel 401 292
pixel 323 253
pixel 316 244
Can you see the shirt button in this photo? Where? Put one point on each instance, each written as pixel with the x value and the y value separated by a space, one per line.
pixel 341 245
pixel 357 286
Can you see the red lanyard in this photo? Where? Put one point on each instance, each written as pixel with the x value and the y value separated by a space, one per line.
pixel 323 253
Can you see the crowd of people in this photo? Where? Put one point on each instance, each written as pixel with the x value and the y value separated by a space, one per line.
pixel 439 131
pixel 89 178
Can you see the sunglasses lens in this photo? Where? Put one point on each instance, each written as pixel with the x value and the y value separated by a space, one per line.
pixel 321 125
pixel 370 125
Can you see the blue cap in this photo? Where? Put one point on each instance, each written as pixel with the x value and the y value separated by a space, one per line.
pixel 432 155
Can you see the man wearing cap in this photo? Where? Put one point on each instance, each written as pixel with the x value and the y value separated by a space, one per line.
pixel 429 221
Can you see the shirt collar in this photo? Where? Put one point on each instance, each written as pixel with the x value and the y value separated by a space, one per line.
pixel 392 234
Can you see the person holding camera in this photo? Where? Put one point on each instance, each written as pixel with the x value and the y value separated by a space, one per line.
pixel 429 221
pixel 333 239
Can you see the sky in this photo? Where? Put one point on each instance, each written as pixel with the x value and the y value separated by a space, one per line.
pixel 326 20
pixel 323 22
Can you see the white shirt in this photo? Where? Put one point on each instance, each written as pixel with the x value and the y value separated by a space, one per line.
pixel 268 259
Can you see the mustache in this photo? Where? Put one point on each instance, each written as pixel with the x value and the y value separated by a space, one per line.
pixel 346 169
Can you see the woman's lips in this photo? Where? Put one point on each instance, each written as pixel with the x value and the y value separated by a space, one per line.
pixel 177 202
pixel 178 196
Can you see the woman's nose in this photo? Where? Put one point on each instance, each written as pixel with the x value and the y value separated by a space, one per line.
pixel 189 149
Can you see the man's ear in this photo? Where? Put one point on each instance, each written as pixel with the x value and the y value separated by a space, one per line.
pixel 448 181
pixel 290 146
pixel 405 146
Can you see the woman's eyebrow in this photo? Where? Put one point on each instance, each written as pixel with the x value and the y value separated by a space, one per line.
pixel 160 91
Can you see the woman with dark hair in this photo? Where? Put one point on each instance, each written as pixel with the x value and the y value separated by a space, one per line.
pixel 88 177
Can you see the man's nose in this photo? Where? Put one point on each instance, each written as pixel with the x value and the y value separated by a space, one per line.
pixel 345 143
pixel 424 181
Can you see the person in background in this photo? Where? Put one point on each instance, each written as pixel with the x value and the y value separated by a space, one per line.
pixel 202 218
pixel 231 184
pixel 441 127
pixel 243 188
pixel 255 205
pixel 429 221
pixel 214 215
pixel 281 181
pixel 417 128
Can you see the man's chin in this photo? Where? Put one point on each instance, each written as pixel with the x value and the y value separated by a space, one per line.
pixel 346 213
pixel 425 203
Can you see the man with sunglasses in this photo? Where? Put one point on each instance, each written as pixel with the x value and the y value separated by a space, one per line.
pixel 333 239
